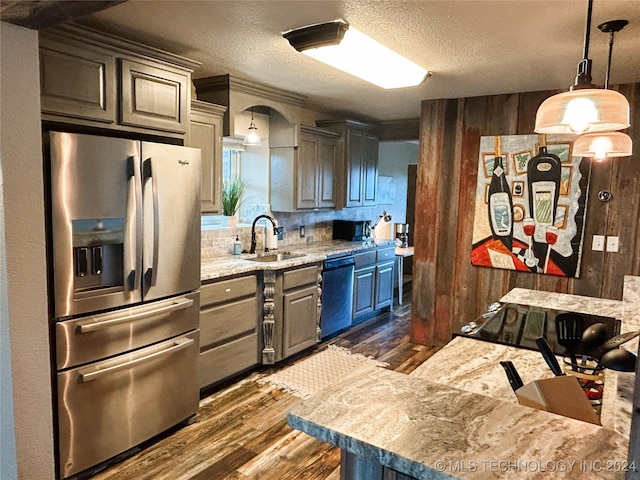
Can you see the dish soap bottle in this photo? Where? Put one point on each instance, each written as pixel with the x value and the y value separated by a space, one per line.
pixel 237 246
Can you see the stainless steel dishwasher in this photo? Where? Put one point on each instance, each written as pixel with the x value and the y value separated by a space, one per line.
pixel 337 294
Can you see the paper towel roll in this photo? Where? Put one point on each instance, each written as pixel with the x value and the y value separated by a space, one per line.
pixel 271 239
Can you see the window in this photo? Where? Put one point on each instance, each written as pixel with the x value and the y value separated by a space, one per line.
pixel 231 154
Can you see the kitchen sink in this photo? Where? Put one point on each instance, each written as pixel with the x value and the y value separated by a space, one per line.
pixel 275 257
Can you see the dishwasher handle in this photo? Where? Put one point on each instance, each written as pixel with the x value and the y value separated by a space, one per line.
pixel 338 263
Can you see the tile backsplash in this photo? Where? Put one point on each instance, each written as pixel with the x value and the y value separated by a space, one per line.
pixel 217 239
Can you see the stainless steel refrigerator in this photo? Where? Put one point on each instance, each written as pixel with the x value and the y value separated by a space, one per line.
pixel 125 267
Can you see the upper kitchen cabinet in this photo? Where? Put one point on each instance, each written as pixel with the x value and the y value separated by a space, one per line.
pixel 152 96
pixel 238 95
pixel 205 133
pixel 360 160
pixel 77 81
pixel 304 178
pixel 93 79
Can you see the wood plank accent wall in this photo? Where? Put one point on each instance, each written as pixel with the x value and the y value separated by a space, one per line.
pixel 447 290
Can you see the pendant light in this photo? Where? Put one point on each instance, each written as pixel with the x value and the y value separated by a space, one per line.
pixel 252 137
pixel 584 108
pixel 605 144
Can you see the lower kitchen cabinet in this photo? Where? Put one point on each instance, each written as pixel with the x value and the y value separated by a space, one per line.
pixel 385 266
pixel 298 305
pixel 364 283
pixel 229 339
pixel 291 311
pixel 373 281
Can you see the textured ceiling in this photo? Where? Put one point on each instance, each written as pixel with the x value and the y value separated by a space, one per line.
pixel 473 48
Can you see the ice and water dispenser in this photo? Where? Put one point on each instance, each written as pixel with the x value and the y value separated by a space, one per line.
pixel 98 246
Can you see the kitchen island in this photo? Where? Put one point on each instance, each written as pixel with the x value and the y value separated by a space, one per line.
pixel 388 423
pixel 447 421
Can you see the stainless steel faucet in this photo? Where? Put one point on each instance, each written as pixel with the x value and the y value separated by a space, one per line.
pixel 253 231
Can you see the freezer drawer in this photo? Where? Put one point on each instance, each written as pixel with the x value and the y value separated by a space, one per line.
pixel 94 337
pixel 107 407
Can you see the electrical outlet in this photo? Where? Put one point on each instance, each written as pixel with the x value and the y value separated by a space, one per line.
pixel 301 231
pixel 598 243
pixel 612 244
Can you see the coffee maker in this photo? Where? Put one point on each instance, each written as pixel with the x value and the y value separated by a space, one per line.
pixel 402 234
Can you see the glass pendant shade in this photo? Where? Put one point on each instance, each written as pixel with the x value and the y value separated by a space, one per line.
pixel 252 137
pixel 603 145
pixel 579 111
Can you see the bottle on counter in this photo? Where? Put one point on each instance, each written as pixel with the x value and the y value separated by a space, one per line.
pixel 237 246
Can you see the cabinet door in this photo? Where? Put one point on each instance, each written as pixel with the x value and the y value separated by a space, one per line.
pixel 307 174
pixel 327 161
pixel 369 170
pixel 355 146
pixel 205 133
pixel 384 285
pixel 300 320
pixel 363 291
pixel 77 82
pixel 154 97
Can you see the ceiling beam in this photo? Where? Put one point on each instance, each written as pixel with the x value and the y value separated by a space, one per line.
pixel 406 129
pixel 39 14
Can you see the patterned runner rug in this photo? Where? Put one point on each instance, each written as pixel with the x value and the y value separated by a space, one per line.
pixel 311 375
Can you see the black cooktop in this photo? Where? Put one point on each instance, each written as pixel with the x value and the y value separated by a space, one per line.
pixel 519 326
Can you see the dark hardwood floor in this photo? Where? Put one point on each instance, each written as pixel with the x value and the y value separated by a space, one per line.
pixel 242 431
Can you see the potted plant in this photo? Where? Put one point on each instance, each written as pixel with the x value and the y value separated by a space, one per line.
pixel 232 191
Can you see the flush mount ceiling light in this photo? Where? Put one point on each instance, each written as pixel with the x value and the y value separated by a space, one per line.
pixel 584 108
pixel 252 137
pixel 343 47
pixel 605 144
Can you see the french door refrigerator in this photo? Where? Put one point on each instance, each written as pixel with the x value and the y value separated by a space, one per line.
pixel 125 267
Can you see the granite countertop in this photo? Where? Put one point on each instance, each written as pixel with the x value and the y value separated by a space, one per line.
pixel 457 416
pixel 480 372
pixel 227 265
pixel 431 431
pixel 617 403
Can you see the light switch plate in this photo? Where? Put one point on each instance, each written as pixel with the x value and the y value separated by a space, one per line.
pixel 597 244
pixel 612 244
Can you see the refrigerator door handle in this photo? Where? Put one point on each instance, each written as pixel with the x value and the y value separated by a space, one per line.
pixel 151 245
pixel 178 345
pixel 133 225
pixel 100 322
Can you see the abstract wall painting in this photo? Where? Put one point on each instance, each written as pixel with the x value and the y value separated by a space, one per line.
pixel 530 205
